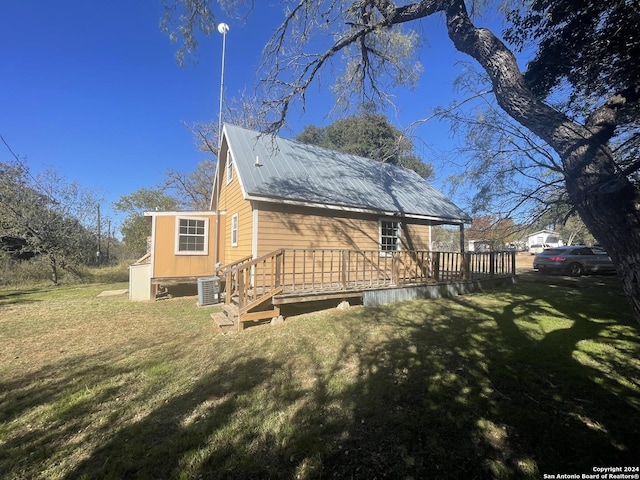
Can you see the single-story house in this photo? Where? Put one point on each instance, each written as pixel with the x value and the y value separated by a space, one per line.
pixel 287 216
pixel 278 193
pixel 545 238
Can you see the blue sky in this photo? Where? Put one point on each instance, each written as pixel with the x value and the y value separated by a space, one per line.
pixel 92 90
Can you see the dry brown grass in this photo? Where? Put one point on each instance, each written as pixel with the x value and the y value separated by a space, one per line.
pixel 508 384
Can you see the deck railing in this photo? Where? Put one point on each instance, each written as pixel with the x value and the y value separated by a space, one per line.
pixel 318 270
pixel 491 264
pixel 326 269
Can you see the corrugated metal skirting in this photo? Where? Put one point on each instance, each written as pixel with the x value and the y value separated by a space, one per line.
pixel 391 295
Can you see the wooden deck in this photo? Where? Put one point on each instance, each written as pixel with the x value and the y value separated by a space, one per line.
pixel 259 286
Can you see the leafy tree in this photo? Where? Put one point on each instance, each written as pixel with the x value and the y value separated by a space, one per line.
pixel 503 168
pixel 573 39
pixel 492 231
pixel 445 238
pixel 41 216
pixel 136 229
pixel 370 136
pixel 374 38
pixel 508 171
pixel 574 232
pixel 563 219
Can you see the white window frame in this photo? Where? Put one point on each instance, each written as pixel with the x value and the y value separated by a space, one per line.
pixel 229 167
pixel 234 230
pixel 190 233
pixel 398 236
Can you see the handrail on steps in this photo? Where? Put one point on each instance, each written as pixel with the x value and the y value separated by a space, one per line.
pixel 254 281
pixel 226 272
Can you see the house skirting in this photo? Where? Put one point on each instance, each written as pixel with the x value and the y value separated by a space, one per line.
pixel 440 290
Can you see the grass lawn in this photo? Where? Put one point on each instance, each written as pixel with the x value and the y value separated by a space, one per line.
pixel 517 383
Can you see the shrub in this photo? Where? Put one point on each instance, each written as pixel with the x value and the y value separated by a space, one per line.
pixel 37 271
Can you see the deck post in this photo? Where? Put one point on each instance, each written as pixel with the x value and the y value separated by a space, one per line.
pixel 241 291
pixel 492 263
pixel 395 268
pixel 513 262
pixel 436 266
pixel 343 270
pixel 464 271
pixel 279 269
pixel 228 287
pixel 464 274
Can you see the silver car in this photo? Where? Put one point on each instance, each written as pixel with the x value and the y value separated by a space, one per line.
pixel 574 260
pixel 538 248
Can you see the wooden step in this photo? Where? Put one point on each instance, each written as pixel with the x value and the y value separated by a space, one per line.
pixel 222 320
pixel 231 311
pixel 231 316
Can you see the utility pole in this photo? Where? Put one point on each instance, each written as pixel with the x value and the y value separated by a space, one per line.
pixel 98 250
pixel 108 239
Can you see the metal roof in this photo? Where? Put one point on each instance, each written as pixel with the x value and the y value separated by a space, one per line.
pixel 272 168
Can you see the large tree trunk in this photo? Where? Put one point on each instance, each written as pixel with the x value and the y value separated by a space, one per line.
pixel 606 201
pixel 608 205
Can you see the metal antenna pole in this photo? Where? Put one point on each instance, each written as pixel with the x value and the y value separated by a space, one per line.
pixel 223 28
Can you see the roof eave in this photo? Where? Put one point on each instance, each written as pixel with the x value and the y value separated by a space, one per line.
pixel 184 213
pixel 346 208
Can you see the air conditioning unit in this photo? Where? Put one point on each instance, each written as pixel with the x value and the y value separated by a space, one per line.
pixel 208 291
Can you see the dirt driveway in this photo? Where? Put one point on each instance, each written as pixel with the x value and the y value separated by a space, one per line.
pixel 526 273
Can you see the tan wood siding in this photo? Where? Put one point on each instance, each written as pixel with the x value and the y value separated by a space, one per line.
pixel 232 202
pixel 285 226
pixel 222 228
pixel 414 236
pixel 167 263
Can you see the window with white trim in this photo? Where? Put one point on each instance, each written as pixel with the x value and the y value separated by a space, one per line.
pixel 389 235
pixel 234 230
pixel 191 236
pixel 229 167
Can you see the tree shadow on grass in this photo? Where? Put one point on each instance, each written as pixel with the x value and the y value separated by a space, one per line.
pixel 467 394
pixel 19 297
pixel 206 419
pixel 38 411
pixel 451 388
pixel 445 390
pixel 572 388
pixel 476 401
pixel 212 419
